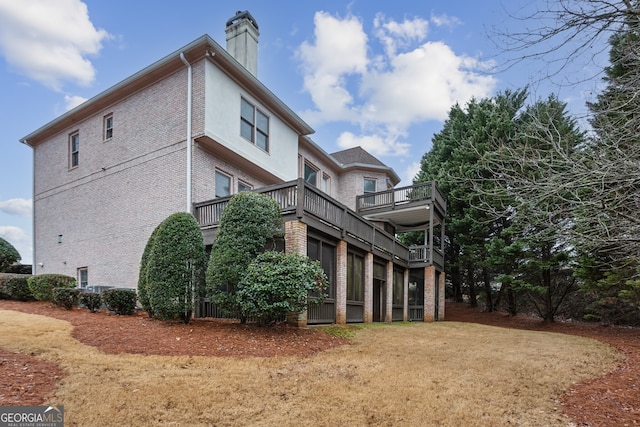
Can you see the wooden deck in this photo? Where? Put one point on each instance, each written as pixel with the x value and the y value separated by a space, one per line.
pixel 297 199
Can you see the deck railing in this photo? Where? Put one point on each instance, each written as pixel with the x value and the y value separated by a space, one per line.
pixel 304 199
pixel 399 197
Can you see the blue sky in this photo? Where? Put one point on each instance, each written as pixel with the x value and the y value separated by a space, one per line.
pixel 380 74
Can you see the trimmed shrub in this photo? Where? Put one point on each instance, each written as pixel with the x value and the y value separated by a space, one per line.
pixel 247 223
pixel 4 293
pixel 42 285
pixel 17 288
pixel 91 300
pixel 120 301
pixel 176 267
pixel 277 283
pixel 65 297
pixel 143 288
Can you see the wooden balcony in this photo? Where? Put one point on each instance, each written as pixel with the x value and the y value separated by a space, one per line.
pixel 415 207
pixel 300 200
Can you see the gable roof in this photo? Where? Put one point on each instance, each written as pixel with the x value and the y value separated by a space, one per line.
pixel 358 158
pixel 356 155
pixel 203 47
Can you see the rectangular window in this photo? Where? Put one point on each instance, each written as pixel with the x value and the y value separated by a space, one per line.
pixel 254 125
pixel 355 277
pixel 369 185
pixel 108 127
pixel 243 187
pixel 326 180
pixel 83 277
pixel 310 174
pixel 74 149
pixel 223 185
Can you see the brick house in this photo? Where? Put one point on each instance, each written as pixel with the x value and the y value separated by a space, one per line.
pixel 194 128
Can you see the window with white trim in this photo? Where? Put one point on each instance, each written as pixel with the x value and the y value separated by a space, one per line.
pixel 108 127
pixel 326 183
pixel 369 185
pixel 83 277
pixel 254 125
pixel 223 184
pixel 74 149
pixel 243 186
pixel 310 174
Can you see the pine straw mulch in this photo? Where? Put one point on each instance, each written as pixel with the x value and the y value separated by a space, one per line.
pixel 612 400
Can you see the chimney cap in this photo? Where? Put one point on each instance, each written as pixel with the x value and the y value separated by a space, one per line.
pixel 242 15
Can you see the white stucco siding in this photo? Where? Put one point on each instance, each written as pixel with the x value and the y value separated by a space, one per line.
pixel 222 123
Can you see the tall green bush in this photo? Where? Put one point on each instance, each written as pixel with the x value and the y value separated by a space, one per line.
pixel 41 286
pixel 176 267
pixel 143 288
pixel 248 222
pixel 8 255
pixel 277 283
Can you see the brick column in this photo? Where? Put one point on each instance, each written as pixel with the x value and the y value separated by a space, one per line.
pixel 368 288
pixel 341 282
pixel 429 293
pixel 295 242
pixel 442 296
pixel 295 237
pixel 388 317
pixel 405 297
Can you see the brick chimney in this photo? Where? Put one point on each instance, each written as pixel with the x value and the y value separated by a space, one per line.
pixel 242 40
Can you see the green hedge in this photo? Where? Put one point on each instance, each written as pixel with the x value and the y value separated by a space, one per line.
pixel 120 301
pixel 16 288
pixel 42 285
pixel 91 300
pixel 65 297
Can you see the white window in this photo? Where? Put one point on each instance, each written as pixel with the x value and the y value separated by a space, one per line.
pixel 83 277
pixel 74 149
pixel 223 185
pixel 243 186
pixel 369 185
pixel 254 125
pixel 310 174
pixel 326 181
pixel 108 127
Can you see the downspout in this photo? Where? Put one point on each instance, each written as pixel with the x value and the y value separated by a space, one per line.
pixel 33 206
pixel 189 206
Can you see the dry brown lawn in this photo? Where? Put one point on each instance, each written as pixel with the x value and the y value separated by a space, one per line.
pixel 420 374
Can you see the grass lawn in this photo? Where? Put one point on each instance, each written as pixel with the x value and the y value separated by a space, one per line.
pixel 420 374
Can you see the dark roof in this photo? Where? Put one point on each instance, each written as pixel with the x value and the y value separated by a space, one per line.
pixel 356 155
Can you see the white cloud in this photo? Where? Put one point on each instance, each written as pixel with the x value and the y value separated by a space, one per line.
pixel 20 240
pixel 20 207
pixel 50 40
pixel 444 20
pixel 12 234
pixel 412 81
pixel 410 172
pixel 72 101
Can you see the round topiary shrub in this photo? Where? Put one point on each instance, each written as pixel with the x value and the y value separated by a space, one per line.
pixel 65 297
pixel 91 300
pixel 41 286
pixel 120 301
pixel 277 283
pixel 176 267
